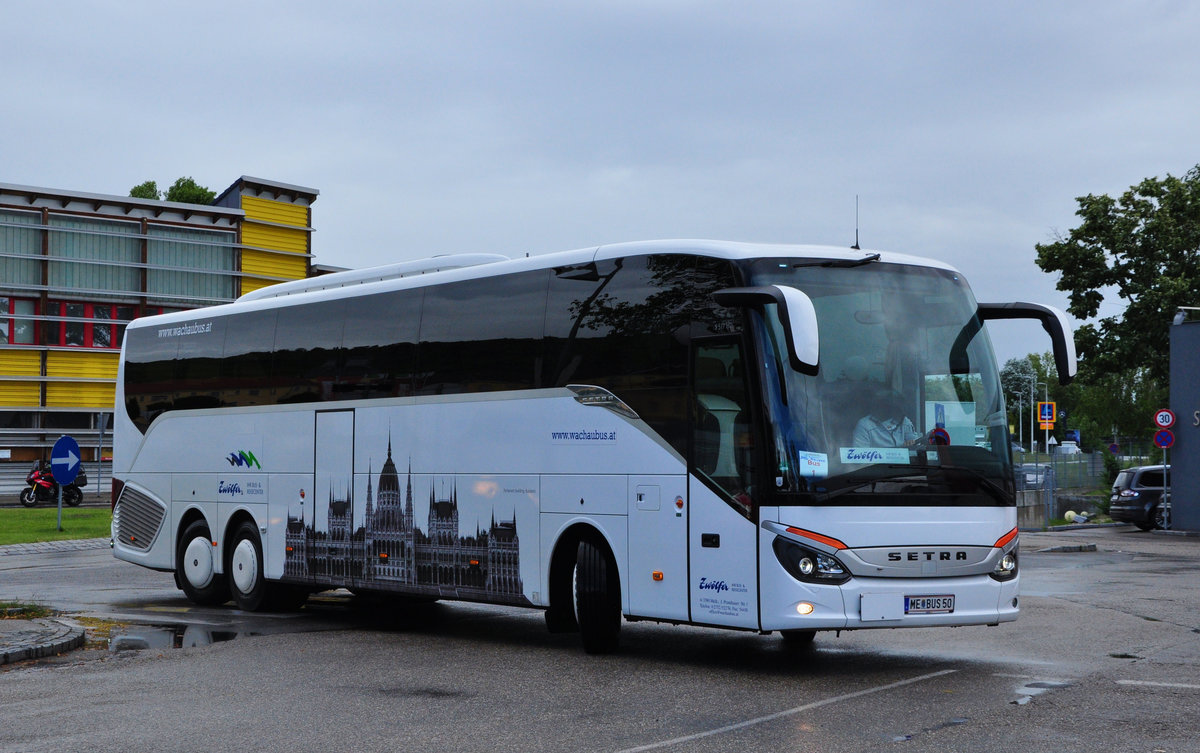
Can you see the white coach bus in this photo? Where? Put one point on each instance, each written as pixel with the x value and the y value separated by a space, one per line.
pixel 768 438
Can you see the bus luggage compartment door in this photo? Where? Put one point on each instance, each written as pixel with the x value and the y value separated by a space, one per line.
pixel 658 547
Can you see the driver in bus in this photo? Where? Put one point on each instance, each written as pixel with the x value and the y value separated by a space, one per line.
pixel 885 425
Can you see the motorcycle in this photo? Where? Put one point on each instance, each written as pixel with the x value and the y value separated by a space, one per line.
pixel 43 488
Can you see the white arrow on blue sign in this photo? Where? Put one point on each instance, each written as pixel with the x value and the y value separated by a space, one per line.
pixel 64 460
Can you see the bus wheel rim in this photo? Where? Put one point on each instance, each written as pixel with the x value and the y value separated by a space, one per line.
pixel 197 562
pixel 245 566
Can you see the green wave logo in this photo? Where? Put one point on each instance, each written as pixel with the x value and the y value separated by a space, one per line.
pixel 243 459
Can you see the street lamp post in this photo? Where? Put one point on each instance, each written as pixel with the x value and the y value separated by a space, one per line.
pixel 1020 417
pixel 1046 438
pixel 1033 408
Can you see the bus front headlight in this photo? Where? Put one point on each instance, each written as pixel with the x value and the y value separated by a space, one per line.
pixel 808 565
pixel 1006 568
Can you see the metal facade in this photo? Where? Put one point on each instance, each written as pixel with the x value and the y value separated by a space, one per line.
pixel 75 267
pixel 1184 455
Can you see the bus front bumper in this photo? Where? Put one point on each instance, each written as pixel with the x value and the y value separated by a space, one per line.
pixel 866 603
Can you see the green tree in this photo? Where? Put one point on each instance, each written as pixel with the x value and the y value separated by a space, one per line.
pixel 1104 408
pixel 188 191
pixel 147 190
pixel 184 190
pixel 1017 378
pixel 1144 249
pixel 1025 381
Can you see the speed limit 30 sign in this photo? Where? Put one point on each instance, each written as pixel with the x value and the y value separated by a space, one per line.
pixel 1164 419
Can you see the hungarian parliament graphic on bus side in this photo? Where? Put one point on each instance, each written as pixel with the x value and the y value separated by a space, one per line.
pixel 388 551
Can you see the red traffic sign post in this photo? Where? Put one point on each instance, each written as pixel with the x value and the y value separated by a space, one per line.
pixel 1164 419
pixel 1164 438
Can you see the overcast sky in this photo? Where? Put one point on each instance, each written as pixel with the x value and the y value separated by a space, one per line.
pixel 965 129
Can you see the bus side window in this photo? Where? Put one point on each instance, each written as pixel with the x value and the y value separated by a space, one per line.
pixel 722 439
pixel 483 335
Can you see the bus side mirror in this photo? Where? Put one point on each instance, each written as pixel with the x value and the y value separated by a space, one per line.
pixel 796 312
pixel 1053 321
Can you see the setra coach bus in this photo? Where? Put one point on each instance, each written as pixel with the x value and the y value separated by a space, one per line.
pixel 759 437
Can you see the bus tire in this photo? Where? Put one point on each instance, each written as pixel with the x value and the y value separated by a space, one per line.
pixel 246 582
pixel 287 597
pixel 597 599
pixel 194 567
pixel 798 638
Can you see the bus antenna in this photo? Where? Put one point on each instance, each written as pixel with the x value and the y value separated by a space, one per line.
pixel 856 247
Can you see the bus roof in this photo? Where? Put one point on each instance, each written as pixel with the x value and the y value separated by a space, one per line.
pixel 452 268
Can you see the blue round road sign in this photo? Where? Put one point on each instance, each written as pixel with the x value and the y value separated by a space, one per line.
pixel 1164 438
pixel 64 460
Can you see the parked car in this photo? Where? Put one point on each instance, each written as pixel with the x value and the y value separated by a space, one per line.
pixel 1137 496
pixel 1034 472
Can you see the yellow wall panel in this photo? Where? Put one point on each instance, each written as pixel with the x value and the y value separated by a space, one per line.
pixel 287 266
pixel 250 284
pixel 282 212
pixel 20 394
pixel 80 395
pixel 20 363
pixel 282 238
pixel 89 364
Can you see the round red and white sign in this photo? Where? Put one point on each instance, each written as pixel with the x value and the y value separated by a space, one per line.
pixel 1164 419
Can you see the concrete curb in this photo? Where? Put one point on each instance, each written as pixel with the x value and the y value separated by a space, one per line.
pixel 22 640
pixel 41 547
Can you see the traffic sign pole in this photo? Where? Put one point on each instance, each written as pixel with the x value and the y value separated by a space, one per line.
pixel 1164 419
pixel 64 466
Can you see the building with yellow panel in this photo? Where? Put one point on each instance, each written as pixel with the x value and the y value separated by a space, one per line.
pixel 76 267
pixel 275 235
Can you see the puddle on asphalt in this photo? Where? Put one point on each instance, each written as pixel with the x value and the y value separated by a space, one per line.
pixel 1027 691
pixel 143 637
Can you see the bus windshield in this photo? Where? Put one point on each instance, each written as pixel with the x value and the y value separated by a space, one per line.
pixel 905 407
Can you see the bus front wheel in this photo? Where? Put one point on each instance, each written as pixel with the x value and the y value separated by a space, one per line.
pixel 194 571
pixel 597 599
pixel 798 638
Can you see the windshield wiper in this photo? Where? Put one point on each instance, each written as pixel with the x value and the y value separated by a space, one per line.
pixel 927 478
pixel 894 474
pixel 993 489
pixel 837 262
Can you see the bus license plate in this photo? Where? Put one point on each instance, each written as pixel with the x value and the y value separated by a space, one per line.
pixel 928 604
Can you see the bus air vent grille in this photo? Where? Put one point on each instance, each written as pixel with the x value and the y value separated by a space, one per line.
pixel 137 518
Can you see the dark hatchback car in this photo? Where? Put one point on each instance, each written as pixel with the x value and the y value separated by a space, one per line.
pixel 1137 496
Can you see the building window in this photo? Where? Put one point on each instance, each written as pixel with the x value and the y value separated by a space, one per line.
pixel 16 321
pixel 74 330
pixel 89 325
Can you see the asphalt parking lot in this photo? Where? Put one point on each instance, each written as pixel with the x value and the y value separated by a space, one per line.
pixel 1105 656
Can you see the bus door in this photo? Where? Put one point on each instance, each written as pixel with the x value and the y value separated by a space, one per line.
pixel 332 507
pixel 722 538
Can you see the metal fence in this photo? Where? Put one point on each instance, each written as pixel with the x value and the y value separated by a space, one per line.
pixel 1082 470
pixel 12 480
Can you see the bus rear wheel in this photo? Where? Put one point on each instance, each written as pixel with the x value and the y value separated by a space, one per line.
pixel 246 582
pixel 597 599
pixel 194 571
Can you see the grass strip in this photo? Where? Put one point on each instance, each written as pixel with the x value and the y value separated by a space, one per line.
pixel 16 610
pixel 31 525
